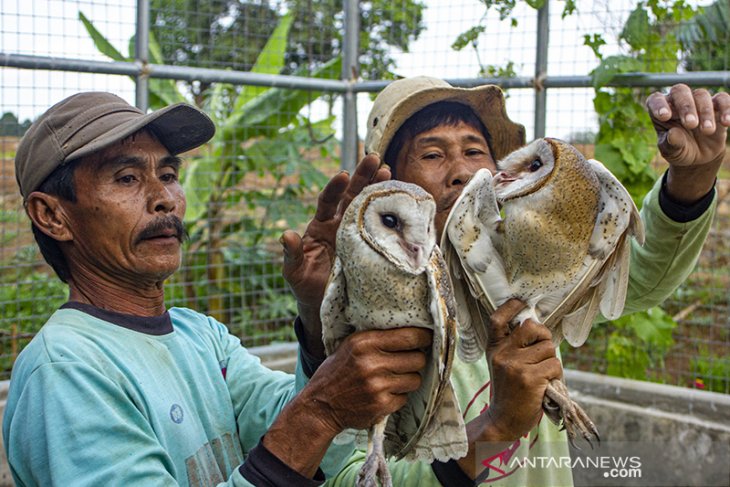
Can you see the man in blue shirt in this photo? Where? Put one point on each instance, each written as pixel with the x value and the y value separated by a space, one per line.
pixel 116 389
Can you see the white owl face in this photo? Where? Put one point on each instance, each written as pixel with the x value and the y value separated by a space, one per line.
pixel 524 171
pixel 400 226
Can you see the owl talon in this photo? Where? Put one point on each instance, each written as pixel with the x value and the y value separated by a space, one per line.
pixel 561 409
pixel 375 468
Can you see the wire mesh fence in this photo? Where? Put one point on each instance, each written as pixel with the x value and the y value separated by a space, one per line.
pixel 276 146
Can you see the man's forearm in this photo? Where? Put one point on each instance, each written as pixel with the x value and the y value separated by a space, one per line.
pixel 688 184
pixel 299 437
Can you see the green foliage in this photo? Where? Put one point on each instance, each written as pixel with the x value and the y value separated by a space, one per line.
pixel 626 141
pixel 712 371
pixel 29 297
pixel 232 33
pixel 639 341
pixel 255 163
pixel 468 37
pixel 705 38
pixel 11 126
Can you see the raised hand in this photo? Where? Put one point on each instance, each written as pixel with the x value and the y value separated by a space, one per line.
pixel 308 258
pixel 691 127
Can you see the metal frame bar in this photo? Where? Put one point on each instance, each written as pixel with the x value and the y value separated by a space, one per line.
pixel 185 73
pixel 350 74
pixel 541 67
pixel 141 50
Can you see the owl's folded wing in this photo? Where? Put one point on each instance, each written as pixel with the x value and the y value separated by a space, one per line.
pixel 332 313
pixel 604 284
pixel 473 261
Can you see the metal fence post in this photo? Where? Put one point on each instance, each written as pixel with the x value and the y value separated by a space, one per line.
pixel 350 74
pixel 141 45
pixel 541 65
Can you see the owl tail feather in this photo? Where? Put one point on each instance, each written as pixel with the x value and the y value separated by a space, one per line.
pixel 445 436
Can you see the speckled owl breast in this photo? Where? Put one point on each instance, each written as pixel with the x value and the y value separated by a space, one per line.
pixel 381 295
pixel 547 232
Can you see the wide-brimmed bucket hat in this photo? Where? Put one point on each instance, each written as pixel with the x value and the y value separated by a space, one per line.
pixel 403 98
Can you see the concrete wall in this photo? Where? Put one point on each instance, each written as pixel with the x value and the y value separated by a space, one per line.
pixel 685 432
pixel 680 436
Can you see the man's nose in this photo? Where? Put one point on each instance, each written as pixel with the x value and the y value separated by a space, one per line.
pixel 462 171
pixel 160 198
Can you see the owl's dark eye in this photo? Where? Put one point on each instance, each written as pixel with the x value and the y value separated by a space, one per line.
pixel 535 165
pixel 389 220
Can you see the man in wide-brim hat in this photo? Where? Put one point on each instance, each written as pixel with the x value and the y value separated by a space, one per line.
pixel 437 136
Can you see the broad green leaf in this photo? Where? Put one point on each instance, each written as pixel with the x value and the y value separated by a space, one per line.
pixel 199 182
pixel 276 108
pixel 611 66
pixel 637 29
pixel 155 51
pixel 102 44
pixel 269 61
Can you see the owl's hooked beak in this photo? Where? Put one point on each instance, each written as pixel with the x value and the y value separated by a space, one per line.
pixel 503 178
pixel 416 254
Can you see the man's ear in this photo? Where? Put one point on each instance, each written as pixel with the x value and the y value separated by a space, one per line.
pixel 47 213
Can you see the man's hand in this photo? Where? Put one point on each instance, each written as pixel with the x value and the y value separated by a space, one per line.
pixel 691 127
pixel 521 363
pixel 368 377
pixel 308 259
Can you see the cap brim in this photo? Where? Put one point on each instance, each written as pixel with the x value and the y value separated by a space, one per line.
pixel 179 128
pixel 487 102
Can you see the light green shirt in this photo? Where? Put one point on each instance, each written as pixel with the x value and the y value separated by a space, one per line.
pixel 657 269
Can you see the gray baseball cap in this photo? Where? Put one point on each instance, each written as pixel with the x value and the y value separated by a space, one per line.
pixel 88 122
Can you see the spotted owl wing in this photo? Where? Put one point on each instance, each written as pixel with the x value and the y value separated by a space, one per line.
pixel 333 311
pixel 475 265
pixel 336 328
pixel 604 284
pixel 432 421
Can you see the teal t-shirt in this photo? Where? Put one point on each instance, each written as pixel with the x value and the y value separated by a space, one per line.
pixel 95 403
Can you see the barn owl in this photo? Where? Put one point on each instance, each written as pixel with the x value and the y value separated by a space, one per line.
pixel 388 272
pixel 560 243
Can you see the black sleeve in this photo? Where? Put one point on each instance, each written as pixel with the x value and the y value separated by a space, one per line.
pixel 450 474
pixel 310 364
pixel 264 469
pixel 680 212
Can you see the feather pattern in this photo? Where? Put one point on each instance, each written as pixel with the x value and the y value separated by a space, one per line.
pixel 550 228
pixel 389 273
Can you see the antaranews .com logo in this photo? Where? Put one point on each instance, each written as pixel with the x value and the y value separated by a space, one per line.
pixel 621 467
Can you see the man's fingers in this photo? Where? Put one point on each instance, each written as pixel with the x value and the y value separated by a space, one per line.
pixel 329 199
pixel 658 107
pixel 530 333
pixel 721 102
pixel 406 362
pixel 498 323
pixel 551 368
pixel 364 174
pixel 293 248
pixel 682 99
pixel 705 111
pixel 402 339
pixel 383 174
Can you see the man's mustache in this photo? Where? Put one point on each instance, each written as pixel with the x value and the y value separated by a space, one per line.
pixel 159 226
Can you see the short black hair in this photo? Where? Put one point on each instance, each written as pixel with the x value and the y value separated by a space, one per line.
pixel 59 183
pixel 441 113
